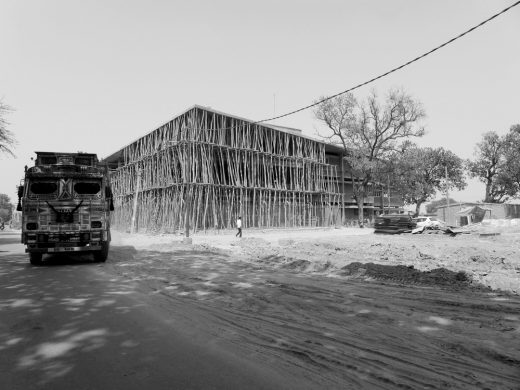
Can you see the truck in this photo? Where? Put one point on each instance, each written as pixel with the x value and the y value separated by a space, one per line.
pixel 65 200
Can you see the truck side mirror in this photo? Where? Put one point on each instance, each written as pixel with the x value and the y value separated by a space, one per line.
pixel 109 195
pixel 20 194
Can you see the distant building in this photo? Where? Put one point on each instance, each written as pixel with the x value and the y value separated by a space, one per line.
pixel 204 168
pixel 464 213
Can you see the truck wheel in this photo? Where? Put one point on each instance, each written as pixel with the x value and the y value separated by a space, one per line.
pixel 101 256
pixel 35 258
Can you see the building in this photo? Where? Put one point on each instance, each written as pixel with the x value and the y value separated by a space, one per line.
pixel 464 213
pixel 204 168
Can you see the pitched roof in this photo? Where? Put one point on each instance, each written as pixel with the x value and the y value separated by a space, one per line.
pixel 290 130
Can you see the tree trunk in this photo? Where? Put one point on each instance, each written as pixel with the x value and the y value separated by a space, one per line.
pixel 360 200
pixel 359 194
pixel 488 198
pixel 417 208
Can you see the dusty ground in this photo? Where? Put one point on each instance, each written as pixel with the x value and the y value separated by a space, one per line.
pixel 479 257
pixel 345 308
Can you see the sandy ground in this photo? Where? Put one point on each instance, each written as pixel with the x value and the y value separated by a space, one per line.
pixel 342 308
pixel 486 254
pixel 345 308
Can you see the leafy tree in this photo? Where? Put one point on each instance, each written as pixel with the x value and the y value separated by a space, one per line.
pixel 421 172
pixel 7 140
pixel 511 171
pixel 490 166
pixel 432 207
pixel 6 208
pixel 369 132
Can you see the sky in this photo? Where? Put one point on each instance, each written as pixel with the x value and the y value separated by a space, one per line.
pixel 93 76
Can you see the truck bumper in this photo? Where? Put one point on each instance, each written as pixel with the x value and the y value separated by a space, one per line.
pixel 65 249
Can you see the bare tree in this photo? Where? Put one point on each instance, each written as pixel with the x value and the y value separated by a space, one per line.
pixel 369 132
pixel 7 140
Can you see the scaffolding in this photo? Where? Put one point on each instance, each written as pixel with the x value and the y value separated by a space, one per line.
pixel 203 169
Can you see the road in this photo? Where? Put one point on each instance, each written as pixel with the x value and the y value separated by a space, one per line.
pixel 180 317
pixel 69 325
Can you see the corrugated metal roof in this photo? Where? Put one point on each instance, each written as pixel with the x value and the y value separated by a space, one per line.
pixel 471 210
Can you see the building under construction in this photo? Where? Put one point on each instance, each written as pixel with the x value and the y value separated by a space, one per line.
pixel 204 168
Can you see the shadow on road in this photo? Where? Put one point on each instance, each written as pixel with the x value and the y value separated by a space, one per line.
pixel 54 321
pixel 68 324
pixel 123 323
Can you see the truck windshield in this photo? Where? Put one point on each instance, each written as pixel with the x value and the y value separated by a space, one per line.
pixel 43 187
pixel 87 187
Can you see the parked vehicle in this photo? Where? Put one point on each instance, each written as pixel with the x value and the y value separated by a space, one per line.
pixel 394 224
pixel 65 201
pixel 428 222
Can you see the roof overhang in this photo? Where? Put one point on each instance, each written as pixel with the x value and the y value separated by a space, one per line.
pixel 329 148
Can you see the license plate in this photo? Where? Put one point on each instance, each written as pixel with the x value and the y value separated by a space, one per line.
pixel 63 249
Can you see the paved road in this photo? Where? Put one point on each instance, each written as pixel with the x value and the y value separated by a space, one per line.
pixel 68 325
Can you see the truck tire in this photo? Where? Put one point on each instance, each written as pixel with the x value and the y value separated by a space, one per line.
pixel 35 258
pixel 101 256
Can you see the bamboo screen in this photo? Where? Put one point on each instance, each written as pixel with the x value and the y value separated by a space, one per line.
pixel 206 169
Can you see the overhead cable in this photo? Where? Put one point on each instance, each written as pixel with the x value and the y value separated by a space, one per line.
pixel 394 69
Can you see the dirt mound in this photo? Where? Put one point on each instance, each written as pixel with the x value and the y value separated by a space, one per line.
pixel 297 265
pixel 491 261
pixel 406 274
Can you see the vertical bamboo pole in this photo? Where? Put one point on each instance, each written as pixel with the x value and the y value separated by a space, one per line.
pixel 136 195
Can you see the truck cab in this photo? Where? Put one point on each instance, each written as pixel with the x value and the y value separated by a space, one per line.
pixel 65 201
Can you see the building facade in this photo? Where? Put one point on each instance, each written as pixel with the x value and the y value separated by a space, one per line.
pixel 464 213
pixel 204 168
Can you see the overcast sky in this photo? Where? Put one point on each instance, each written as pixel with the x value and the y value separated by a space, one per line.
pixel 93 76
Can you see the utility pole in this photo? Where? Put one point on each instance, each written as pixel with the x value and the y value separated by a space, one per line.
pixel 388 183
pixel 136 195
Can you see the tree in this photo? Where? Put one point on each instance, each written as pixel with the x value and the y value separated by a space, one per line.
pixel 369 132
pixel 421 172
pixel 489 166
pixel 7 140
pixel 511 171
pixel 6 208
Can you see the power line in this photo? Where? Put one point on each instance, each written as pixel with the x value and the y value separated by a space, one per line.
pixel 394 69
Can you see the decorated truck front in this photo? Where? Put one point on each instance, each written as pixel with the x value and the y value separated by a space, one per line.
pixel 65 201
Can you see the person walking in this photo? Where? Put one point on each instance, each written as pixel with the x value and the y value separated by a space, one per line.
pixel 239 227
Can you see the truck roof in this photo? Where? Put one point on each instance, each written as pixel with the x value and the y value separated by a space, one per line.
pixel 64 158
